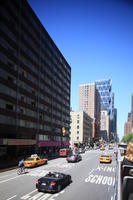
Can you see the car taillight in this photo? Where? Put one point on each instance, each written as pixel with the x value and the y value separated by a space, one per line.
pixel 52 183
pixel 37 182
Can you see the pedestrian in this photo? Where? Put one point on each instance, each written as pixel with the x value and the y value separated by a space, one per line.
pixel 128 158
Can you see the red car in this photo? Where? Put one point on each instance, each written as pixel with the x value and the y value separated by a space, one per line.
pixel 64 152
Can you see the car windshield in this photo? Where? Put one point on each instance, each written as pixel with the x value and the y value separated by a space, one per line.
pixel 29 159
pixel 104 155
pixel 52 175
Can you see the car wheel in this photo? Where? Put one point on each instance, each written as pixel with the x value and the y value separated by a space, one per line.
pixel 59 188
pixel 19 171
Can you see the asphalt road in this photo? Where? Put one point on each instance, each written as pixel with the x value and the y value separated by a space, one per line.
pixel 90 180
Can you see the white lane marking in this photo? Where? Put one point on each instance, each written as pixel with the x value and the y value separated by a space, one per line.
pixel 91 171
pixel 11 178
pixel 7 175
pixel 100 179
pixel 38 173
pixel 44 197
pixel 52 197
pixel 62 191
pixel 12 197
pixel 105 168
pixel 28 195
pixel 36 196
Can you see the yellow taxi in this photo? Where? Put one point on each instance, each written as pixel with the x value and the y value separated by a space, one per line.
pixel 34 161
pixel 102 148
pixel 106 158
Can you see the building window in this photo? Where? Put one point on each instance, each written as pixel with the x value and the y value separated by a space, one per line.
pixel 77 121
pixel 78 138
pixel 33 92
pixel 77 127
pixel 22 98
pixel 77 132
pixel 9 106
pixel 77 116
pixel 21 110
pixel 33 104
pixel 10 78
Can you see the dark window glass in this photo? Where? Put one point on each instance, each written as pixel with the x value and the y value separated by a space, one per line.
pixel 9 107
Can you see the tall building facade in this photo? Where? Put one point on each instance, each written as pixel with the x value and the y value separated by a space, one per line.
pixel 89 102
pixel 80 128
pixel 104 88
pixel 35 81
pixel 128 126
pixel 132 110
pixel 105 125
pixel 114 124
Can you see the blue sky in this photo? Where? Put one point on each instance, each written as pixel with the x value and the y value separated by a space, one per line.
pixel 96 38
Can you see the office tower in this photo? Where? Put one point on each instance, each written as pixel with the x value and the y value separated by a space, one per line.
pixel 105 125
pixel 128 126
pixel 35 83
pixel 104 88
pixel 132 110
pixel 89 102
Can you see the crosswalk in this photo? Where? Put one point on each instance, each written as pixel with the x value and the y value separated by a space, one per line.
pixel 34 195
pixel 57 167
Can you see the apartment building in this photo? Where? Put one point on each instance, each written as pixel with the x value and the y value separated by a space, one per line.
pixel 80 128
pixel 35 81
pixel 128 125
pixel 89 102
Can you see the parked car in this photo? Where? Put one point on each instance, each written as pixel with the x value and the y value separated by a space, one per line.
pixel 34 161
pixel 74 158
pixel 53 182
pixel 64 152
pixel 105 158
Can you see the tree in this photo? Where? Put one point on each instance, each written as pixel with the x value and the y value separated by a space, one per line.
pixel 127 138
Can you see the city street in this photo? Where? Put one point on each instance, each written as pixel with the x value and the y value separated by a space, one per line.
pixel 90 180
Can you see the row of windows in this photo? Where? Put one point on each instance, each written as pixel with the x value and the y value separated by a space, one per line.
pixel 23 85
pixel 12 107
pixel 30 23
pixel 55 138
pixel 28 63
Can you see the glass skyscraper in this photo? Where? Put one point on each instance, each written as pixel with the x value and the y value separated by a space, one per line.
pixel 104 88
